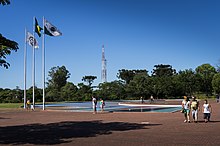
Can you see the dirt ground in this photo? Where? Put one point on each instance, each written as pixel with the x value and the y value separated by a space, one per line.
pixel 20 127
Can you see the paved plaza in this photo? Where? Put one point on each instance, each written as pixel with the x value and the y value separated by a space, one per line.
pixel 20 127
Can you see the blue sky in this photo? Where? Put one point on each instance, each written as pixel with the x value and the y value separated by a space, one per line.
pixel 137 34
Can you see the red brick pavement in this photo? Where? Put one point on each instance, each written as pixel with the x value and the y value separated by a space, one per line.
pixel 19 127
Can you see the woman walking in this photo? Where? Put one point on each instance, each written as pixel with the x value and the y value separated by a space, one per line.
pixel 207 110
pixel 186 109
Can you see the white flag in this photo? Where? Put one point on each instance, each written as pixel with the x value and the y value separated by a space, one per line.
pixel 31 40
pixel 50 29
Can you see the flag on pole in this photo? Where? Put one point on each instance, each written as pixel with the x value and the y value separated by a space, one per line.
pixel 32 41
pixel 37 28
pixel 50 29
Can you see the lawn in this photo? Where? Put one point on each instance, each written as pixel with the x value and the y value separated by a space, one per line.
pixel 11 105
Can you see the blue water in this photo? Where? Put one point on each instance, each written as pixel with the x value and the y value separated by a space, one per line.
pixel 110 106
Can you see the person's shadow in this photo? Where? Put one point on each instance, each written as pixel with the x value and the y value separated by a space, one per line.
pixel 57 133
pixel 202 121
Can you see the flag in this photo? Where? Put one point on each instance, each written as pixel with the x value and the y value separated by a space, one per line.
pixel 38 28
pixel 50 29
pixel 31 40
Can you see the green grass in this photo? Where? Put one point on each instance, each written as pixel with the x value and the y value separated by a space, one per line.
pixel 10 105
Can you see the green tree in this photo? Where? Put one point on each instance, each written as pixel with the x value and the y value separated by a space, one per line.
pixel 111 90
pixel 84 92
pixel 141 85
pixel 163 70
pixel 163 85
pixel 10 96
pixel 68 92
pixel 188 81
pixel 6 46
pixel 216 83
pixel 206 73
pixel 89 79
pixel 58 77
pixel 37 94
pixel 128 75
pixel 53 94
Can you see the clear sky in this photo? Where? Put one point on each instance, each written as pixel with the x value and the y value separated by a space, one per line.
pixel 137 34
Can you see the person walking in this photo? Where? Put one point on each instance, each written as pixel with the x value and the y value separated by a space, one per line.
pixel 207 110
pixel 186 109
pixel 102 104
pixel 94 104
pixel 28 104
pixel 142 100
pixel 151 99
pixel 195 109
pixel 217 98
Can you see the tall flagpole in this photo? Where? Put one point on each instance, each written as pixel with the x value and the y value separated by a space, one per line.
pixel 33 67
pixel 25 65
pixel 43 65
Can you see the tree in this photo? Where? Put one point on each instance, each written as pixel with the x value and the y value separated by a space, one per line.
pixel 89 79
pixel 84 92
pixel 206 73
pixel 163 84
pixel 216 83
pixel 163 70
pixel 188 81
pixel 68 92
pixel 37 92
pixel 58 77
pixel 128 75
pixel 141 85
pixel 111 90
pixel 4 2
pixel 6 46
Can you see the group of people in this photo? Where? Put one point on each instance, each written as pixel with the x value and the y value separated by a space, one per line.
pixel 94 104
pixel 29 106
pixel 194 107
pixel 151 99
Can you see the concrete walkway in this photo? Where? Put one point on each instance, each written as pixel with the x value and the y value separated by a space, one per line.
pixel 19 127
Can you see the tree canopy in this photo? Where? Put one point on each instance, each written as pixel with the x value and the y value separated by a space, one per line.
pixel 4 2
pixel 164 82
pixel 6 46
pixel 89 79
pixel 58 77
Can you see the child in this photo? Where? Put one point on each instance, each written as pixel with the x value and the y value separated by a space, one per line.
pixel 28 104
pixel 207 111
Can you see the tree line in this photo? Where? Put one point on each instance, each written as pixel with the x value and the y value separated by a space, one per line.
pixel 163 82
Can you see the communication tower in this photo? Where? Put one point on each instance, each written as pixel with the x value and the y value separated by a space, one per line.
pixel 104 70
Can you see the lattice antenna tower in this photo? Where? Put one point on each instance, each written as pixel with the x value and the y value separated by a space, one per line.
pixel 104 70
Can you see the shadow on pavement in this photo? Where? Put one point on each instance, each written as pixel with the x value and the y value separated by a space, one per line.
pixel 57 133
pixel 4 118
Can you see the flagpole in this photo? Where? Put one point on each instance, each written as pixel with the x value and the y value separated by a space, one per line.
pixel 43 65
pixel 33 67
pixel 25 65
